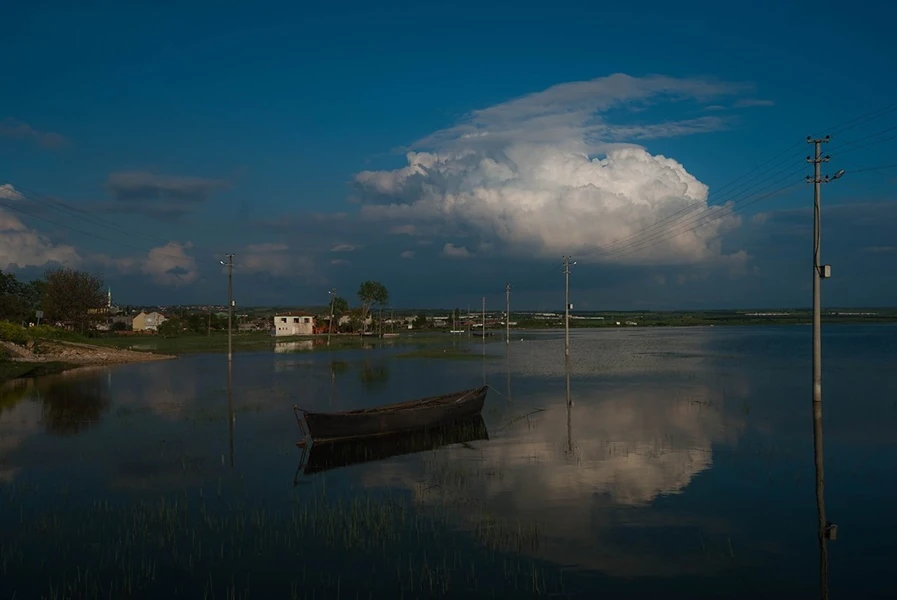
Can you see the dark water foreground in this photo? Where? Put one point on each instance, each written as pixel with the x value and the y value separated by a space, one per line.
pixel 679 466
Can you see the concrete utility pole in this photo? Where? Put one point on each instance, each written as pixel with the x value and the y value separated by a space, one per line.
pixel 484 318
pixel 230 303
pixel 507 313
pixel 567 264
pixel 332 293
pixel 820 271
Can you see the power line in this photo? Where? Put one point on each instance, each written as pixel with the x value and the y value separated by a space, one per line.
pixel 11 205
pixel 77 212
pixel 661 235
pixel 878 168
pixel 720 216
pixel 845 126
pixel 720 209
pixel 688 208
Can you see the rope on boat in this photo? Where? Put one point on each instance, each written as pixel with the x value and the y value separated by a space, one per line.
pixel 296 411
pixel 497 392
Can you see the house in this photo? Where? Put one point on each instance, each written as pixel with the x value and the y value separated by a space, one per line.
pixel 147 321
pixel 294 324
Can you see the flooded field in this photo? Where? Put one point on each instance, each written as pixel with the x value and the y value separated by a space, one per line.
pixel 661 462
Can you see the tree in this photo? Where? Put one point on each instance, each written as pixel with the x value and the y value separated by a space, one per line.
pixel 73 297
pixel 172 327
pixel 371 293
pixel 18 300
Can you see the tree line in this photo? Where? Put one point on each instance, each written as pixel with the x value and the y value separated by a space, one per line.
pixel 66 296
pixel 371 295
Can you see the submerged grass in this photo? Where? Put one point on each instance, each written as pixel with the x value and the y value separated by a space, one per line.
pixel 450 353
pixel 203 544
pixel 257 341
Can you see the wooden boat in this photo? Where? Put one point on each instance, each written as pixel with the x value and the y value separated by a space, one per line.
pixel 325 456
pixel 391 418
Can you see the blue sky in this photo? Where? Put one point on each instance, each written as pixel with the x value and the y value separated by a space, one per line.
pixel 142 142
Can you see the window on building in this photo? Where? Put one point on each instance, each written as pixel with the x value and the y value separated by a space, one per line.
pixel 306 320
pixel 283 320
pixel 295 319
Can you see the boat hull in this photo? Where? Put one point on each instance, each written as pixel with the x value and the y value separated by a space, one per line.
pixel 393 418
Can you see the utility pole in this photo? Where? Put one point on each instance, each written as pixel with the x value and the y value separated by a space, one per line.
pixel 567 264
pixel 507 313
pixel 230 303
pixel 484 319
pixel 332 293
pixel 820 271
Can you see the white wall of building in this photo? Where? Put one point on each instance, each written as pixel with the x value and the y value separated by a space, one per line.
pixel 285 325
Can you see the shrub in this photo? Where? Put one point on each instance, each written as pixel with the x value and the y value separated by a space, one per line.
pixel 47 332
pixel 10 332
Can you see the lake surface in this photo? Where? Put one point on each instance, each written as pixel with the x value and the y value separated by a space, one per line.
pixel 679 464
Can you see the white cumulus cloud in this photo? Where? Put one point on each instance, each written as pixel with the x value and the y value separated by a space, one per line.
pixel 274 259
pixel 170 264
pixel 23 247
pixel 453 251
pixel 550 173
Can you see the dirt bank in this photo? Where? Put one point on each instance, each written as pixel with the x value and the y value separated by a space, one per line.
pixel 75 354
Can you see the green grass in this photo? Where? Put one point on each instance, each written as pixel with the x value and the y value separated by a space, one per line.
pixel 187 344
pixel 16 369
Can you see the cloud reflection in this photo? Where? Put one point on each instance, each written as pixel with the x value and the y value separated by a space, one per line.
pixel 624 449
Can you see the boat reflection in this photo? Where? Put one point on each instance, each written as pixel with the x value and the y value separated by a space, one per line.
pixel 333 455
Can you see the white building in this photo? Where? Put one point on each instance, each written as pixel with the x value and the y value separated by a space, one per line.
pixel 147 321
pixel 294 324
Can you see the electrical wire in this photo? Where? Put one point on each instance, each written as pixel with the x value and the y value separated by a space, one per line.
pixel 661 236
pixel 620 244
pixel 654 233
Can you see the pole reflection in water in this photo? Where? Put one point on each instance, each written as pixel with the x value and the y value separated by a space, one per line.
pixel 825 531
pixel 569 399
pixel 231 417
pixel 508 370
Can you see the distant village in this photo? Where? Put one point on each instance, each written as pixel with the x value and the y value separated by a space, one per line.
pixel 145 320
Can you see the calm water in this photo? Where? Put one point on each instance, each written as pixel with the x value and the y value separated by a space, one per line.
pixel 682 465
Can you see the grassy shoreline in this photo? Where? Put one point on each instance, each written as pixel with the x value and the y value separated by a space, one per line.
pixel 421 344
pixel 10 369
